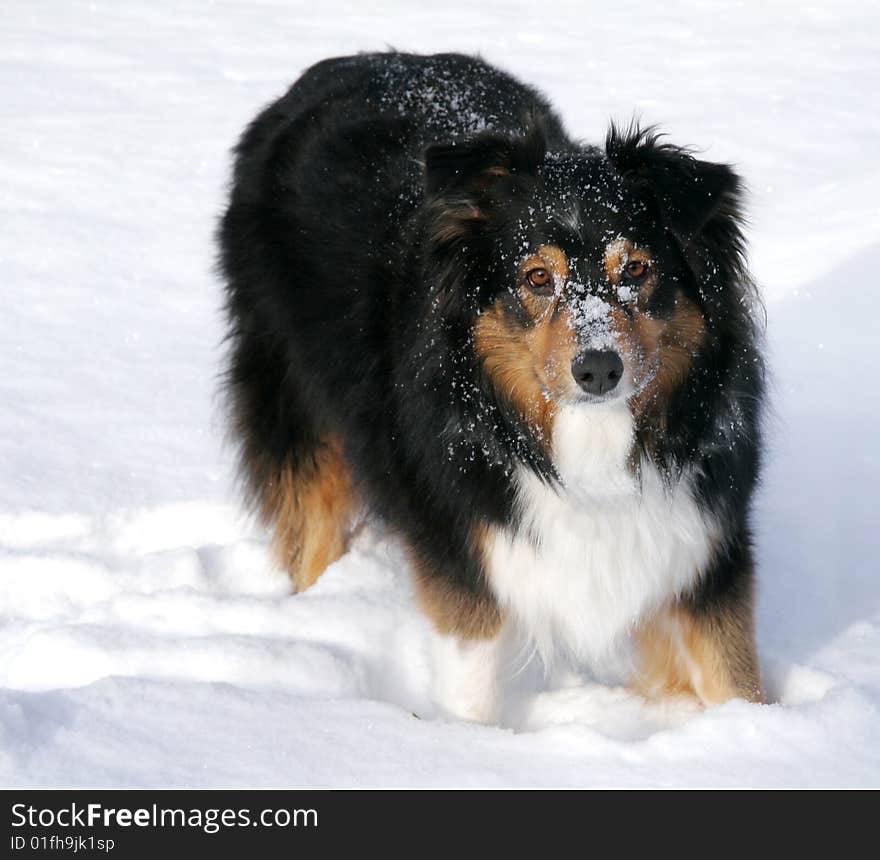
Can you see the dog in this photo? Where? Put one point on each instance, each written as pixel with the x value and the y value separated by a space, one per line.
pixel 537 361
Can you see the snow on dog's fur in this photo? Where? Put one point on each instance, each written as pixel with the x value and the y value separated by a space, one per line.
pixel 534 359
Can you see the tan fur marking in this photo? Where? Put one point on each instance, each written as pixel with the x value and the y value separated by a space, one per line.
pixel 310 509
pixel 453 609
pixel 667 349
pixel 524 365
pixel 529 365
pixel 713 659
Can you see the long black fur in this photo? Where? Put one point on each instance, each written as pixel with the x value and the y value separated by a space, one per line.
pixel 351 309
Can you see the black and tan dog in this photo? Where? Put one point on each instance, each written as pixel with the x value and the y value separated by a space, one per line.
pixel 535 360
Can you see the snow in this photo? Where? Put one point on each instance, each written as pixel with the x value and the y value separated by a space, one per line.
pixel 145 638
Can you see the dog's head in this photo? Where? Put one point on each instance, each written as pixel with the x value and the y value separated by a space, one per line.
pixel 591 280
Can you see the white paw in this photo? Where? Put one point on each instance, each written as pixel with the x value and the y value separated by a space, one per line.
pixel 466 678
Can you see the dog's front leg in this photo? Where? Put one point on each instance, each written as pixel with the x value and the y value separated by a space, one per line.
pixel 467 677
pixel 704 644
pixel 467 649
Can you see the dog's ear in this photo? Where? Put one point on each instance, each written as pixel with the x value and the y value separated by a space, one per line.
pixel 466 182
pixel 473 165
pixel 694 197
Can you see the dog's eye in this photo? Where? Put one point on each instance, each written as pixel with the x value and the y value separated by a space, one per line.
pixel 540 280
pixel 635 270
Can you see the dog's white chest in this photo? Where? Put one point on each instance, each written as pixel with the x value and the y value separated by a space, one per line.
pixel 595 558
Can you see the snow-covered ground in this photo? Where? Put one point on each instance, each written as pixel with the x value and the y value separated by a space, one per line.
pixel 144 638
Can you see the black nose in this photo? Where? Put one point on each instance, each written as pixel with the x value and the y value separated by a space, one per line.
pixel 597 371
